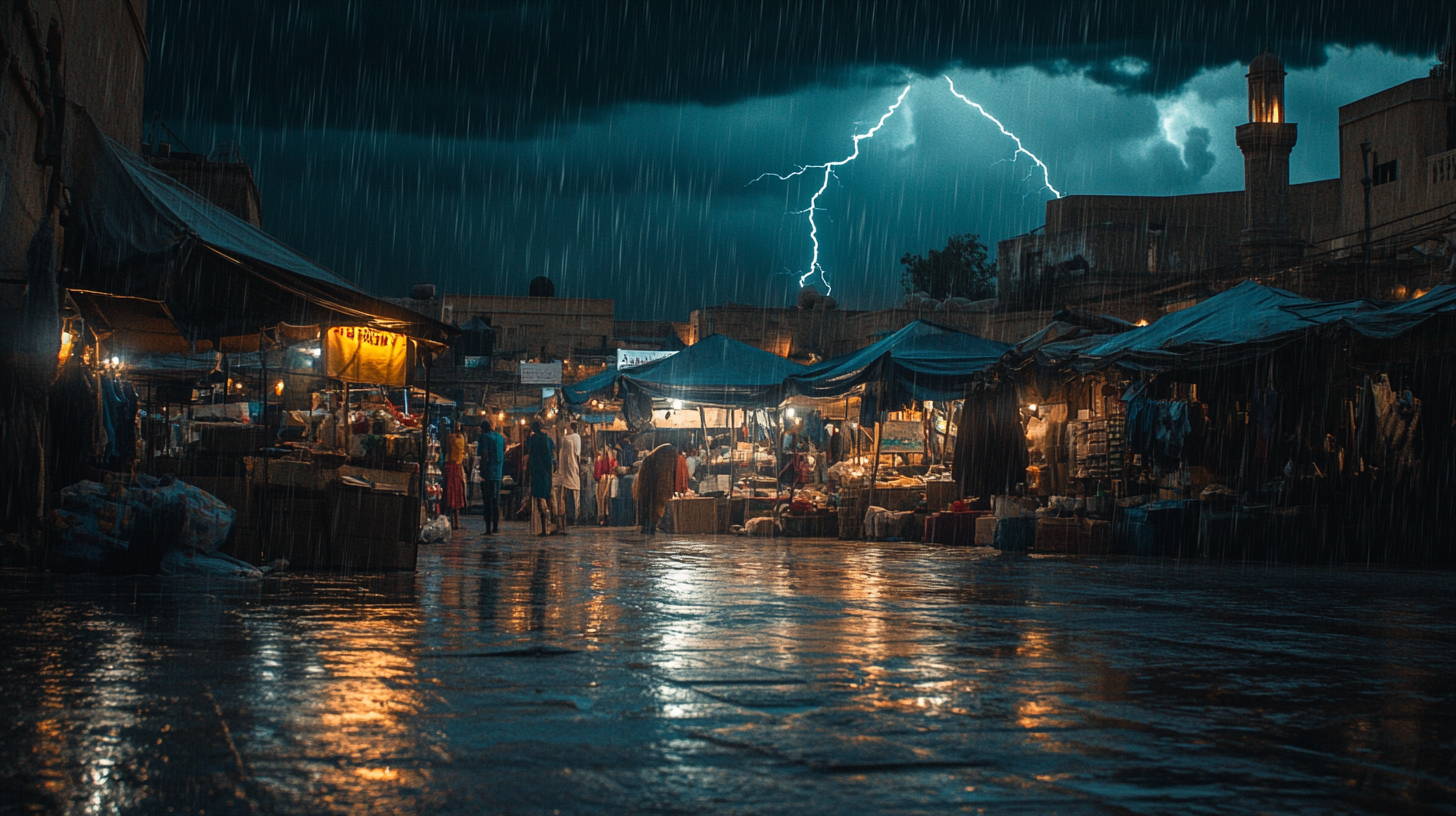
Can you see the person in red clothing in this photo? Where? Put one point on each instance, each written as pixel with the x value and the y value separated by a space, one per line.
pixel 680 484
pixel 604 470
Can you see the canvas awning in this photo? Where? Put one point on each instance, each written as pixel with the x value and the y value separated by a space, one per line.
pixel 1230 327
pixel 130 324
pixel 922 361
pixel 1403 318
pixel 146 235
pixel 716 370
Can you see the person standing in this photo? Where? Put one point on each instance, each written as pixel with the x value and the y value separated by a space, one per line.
pixel 571 473
pixel 454 497
pixel 542 453
pixel 491 450
pixel 604 471
pixel 680 476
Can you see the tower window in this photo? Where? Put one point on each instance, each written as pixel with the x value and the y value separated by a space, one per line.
pixel 1384 172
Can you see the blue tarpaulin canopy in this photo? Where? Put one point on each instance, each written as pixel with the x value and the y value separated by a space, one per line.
pixel 597 385
pixel 1403 318
pixel 922 361
pixel 1229 327
pixel 714 371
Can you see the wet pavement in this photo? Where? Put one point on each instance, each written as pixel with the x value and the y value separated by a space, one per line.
pixel 605 673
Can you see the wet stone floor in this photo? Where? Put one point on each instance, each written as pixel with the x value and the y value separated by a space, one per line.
pixel 607 673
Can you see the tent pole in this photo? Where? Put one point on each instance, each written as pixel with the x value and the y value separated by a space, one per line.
pixel 875 467
pixel 348 426
pixel 425 434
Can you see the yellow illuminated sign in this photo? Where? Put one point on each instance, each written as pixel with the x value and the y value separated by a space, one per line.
pixel 361 355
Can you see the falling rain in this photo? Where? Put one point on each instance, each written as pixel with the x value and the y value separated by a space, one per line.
pixel 676 406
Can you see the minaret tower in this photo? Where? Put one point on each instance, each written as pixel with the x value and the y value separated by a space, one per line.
pixel 1267 242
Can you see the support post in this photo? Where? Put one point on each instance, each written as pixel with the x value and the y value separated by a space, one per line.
pixel 874 467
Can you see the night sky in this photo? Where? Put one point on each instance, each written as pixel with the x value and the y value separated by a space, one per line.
pixel 610 144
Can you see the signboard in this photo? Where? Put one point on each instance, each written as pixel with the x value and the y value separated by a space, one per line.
pixel 631 358
pixel 902 436
pixel 477 362
pixel 361 355
pixel 541 373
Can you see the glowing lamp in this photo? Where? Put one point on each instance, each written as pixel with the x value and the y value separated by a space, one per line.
pixel 278 388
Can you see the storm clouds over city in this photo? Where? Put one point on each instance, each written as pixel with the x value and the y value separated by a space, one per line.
pixel 610 146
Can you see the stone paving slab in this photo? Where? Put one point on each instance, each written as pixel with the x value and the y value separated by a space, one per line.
pixel 608 673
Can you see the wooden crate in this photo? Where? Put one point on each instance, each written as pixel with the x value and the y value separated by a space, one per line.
pixel 897 499
pixel 812 525
pixel 694 516
pixel 940 495
pixel 291 524
pixel 361 513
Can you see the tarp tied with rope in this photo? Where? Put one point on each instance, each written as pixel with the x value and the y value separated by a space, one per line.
pixel 148 236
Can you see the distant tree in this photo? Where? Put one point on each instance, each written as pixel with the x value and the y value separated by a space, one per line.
pixel 961 270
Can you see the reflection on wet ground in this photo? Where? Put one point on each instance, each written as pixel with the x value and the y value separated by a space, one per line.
pixel 607 673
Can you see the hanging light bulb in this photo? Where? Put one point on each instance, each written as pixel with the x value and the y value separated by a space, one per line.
pixel 278 388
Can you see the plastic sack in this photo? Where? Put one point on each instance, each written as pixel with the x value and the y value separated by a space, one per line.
pixel 435 531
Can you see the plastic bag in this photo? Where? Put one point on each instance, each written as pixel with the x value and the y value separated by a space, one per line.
pixel 436 531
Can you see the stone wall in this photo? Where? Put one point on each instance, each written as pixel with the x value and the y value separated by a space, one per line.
pixel 105 58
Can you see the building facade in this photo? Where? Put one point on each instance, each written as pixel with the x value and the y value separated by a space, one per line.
pixel 1136 256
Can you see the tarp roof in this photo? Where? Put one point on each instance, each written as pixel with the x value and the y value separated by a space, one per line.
pixel 130 324
pixel 604 383
pixel 1231 326
pixel 716 370
pixel 1403 318
pixel 146 233
pixel 922 361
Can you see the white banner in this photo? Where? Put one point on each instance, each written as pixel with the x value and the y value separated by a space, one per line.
pixel 541 373
pixel 631 358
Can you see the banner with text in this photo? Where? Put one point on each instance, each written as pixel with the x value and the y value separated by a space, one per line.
pixel 360 355
pixel 541 373
pixel 631 358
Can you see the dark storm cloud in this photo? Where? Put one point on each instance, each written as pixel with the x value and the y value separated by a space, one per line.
pixel 609 144
pixel 508 69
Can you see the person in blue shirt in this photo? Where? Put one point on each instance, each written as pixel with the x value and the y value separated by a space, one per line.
pixel 491 448
pixel 542 453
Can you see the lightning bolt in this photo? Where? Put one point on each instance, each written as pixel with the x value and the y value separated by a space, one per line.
pixel 1045 174
pixel 828 168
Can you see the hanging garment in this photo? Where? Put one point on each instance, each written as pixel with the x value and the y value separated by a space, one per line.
pixel 1263 415
pixel 112 405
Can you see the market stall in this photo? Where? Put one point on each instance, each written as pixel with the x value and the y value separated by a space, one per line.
pixel 908 386
pixel 1182 437
pixel 251 352
pixel 713 400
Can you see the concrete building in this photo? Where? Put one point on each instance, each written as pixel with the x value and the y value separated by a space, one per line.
pixel 63 58
pixel 1136 256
